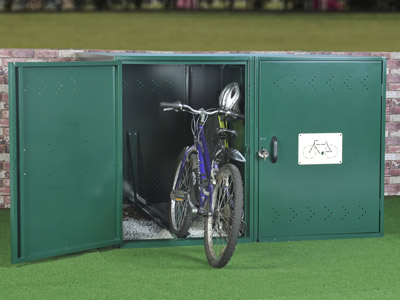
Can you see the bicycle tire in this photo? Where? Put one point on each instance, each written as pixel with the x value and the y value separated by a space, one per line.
pixel 228 188
pixel 180 213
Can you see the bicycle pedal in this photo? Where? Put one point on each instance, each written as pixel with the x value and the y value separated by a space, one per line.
pixel 178 196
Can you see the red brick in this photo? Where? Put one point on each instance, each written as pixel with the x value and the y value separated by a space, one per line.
pixel 392 189
pixel 392 172
pixel 387 180
pixel 388 102
pixel 387 118
pixel 393 64
pixel 5 97
pixel 392 78
pixel 6 131
pixel 5 52
pixel 6 165
pixel 388 164
pixel 394 110
pixel 7 201
pixel 5 191
pixel 394 149
pixel 361 53
pixel 384 54
pixel 23 53
pixel 5 114
pixel 4 123
pixel 60 59
pixel 46 53
pixel 7 148
pixel 393 87
pixel 395 164
pixel 6 182
pixel 392 126
pixel 393 141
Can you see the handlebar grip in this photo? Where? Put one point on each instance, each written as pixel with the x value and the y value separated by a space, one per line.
pixel 173 105
pixel 239 116
pixel 236 115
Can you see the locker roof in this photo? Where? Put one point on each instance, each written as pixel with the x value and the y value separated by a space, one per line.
pixel 215 56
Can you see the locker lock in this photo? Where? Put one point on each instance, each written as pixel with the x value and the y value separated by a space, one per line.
pixel 263 153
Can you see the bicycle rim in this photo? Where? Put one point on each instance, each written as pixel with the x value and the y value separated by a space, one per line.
pixel 222 228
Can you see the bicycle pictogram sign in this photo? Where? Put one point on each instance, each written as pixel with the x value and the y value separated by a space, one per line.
pixel 319 148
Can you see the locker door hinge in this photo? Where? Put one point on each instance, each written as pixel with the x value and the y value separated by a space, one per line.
pixel 246 149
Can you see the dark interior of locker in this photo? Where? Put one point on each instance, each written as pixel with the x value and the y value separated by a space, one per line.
pixel 154 138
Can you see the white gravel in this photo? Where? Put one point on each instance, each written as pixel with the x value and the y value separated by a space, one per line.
pixel 148 230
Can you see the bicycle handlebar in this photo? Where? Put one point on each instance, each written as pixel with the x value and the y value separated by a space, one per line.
pixel 177 106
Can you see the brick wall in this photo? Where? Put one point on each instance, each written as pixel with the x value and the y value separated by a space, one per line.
pixel 392 156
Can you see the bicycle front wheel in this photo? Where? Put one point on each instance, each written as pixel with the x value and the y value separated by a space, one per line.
pixel 221 230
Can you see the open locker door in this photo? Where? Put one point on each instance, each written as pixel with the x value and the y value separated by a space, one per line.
pixel 66 158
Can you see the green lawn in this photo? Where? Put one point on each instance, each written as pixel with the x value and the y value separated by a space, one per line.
pixel 333 269
pixel 202 31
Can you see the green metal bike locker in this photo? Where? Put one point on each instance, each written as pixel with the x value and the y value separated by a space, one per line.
pixel 75 125
pixel 327 115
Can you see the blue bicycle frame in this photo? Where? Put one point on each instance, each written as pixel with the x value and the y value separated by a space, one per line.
pixel 205 169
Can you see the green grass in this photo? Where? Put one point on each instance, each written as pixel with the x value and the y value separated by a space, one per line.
pixel 202 31
pixel 332 269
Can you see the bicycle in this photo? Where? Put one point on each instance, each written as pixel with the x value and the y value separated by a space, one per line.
pixel 209 186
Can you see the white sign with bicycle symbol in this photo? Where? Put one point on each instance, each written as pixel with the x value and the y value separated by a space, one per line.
pixel 320 148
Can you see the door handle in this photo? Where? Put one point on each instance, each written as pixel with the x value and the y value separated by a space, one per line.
pixel 274 148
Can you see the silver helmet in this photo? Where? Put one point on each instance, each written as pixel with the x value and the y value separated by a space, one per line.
pixel 230 96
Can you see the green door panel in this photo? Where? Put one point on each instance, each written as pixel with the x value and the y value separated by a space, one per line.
pixel 67 158
pixel 320 97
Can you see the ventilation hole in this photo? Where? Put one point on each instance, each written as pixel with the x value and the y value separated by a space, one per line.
pixel 329 214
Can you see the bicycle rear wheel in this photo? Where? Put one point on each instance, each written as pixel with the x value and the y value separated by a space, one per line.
pixel 180 212
pixel 221 230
